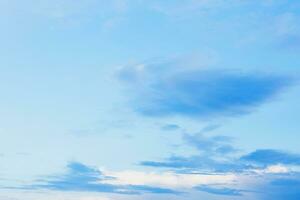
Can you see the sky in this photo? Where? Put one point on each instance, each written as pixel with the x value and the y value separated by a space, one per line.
pixel 143 100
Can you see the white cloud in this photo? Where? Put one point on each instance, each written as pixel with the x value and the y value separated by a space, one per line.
pixel 168 179
pixel 275 169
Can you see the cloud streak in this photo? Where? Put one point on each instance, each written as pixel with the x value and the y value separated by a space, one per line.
pixel 214 154
pixel 82 178
pixel 220 191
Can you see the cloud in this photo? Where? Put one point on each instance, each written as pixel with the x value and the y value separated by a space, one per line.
pixel 170 127
pixel 264 184
pixel 259 161
pixel 220 190
pixel 214 154
pixel 170 89
pixel 271 157
pixel 274 169
pixel 168 179
pixel 210 128
pixel 214 145
pixel 197 163
pixel 80 177
pixel 274 182
pixel 268 174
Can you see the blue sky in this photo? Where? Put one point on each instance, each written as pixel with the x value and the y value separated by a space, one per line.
pixel 136 99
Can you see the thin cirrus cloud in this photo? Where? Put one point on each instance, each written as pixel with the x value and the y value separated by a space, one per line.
pixel 165 89
pixel 82 178
pixel 214 145
pixel 170 127
pixel 211 149
pixel 219 191
pixel 196 163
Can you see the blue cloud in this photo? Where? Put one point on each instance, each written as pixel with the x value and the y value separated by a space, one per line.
pixel 210 149
pixel 210 145
pixel 162 91
pixel 219 191
pixel 210 128
pixel 209 160
pixel 271 156
pixel 170 127
pixel 195 163
pixel 216 154
pixel 80 177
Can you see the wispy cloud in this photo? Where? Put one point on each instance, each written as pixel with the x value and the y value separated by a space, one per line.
pixel 263 168
pixel 80 177
pixel 220 190
pixel 170 127
pixel 268 183
pixel 214 154
pixel 266 173
pixel 217 154
pixel 210 128
pixel 168 179
pixel 196 163
pixel 213 145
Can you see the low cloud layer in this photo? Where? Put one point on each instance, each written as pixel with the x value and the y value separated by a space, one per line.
pixel 266 173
